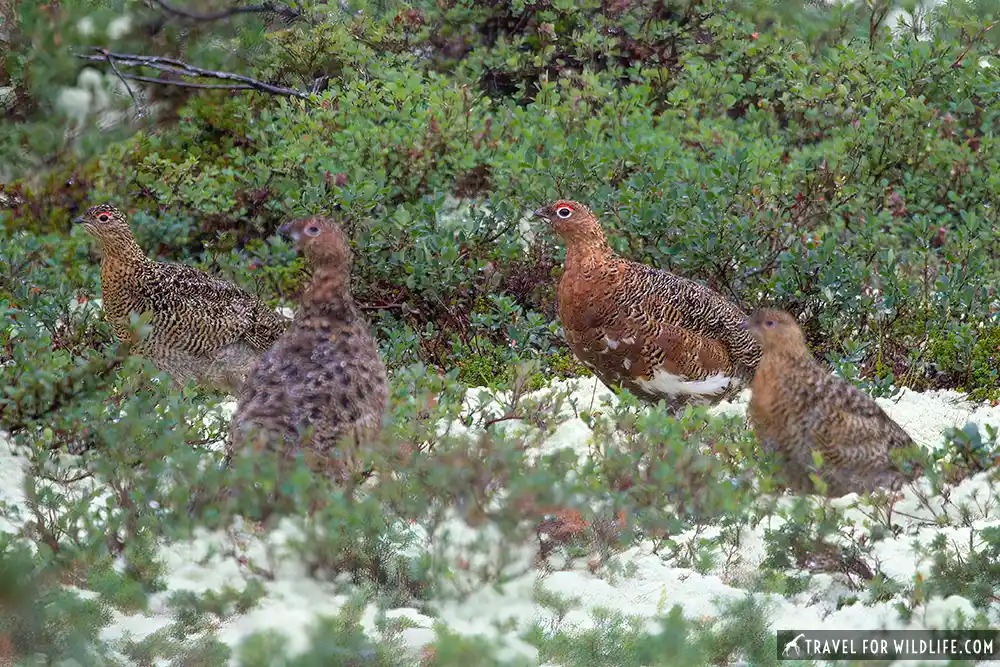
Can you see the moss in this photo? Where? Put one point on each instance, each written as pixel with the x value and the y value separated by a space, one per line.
pixel 486 367
pixel 972 360
pixel 564 364
pixel 984 383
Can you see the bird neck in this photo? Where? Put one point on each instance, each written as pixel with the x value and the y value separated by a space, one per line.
pixel 795 352
pixel 123 248
pixel 327 294
pixel 122 253
pixel 587 252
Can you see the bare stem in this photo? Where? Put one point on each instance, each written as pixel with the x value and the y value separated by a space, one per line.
pixel 183 69
pixel 288 13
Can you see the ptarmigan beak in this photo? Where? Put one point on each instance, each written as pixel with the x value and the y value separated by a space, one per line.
pixel 79 220
pixel 540 213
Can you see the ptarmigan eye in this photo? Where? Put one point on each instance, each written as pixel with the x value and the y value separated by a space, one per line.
pixel 312 230
pixel 769 323
pixel 564 212
pixel 103 217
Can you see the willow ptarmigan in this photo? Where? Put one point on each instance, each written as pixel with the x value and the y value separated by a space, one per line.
pixel 321 389
pixel 658 335
pixel 202 328
pixel 798 406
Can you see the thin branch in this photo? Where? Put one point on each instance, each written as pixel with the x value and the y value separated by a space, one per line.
pixel 285 11
pixel 185 84
pixel 131 93
pixel 382 306
pixel 181 68
pixel 972 42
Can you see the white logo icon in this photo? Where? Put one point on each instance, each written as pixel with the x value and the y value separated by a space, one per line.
pixel 794 644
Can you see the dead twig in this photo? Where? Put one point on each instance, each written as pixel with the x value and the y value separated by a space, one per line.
pixel 382 306
pixel 286 12
pixel 131 93
pixel 181 68
pixel 184 84
pixel 972 42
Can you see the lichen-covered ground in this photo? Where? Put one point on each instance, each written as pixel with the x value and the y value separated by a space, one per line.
pixel 636 582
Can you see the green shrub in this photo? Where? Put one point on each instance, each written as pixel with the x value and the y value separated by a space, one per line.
pixel 786 154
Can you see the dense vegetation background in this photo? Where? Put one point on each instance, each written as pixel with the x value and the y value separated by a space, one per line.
pixel 791 154
pixel 788 155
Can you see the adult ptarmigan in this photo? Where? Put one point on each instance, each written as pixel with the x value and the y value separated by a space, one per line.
pixel 661 336
pixel 798 406
pixel 202 327
pixel 321 390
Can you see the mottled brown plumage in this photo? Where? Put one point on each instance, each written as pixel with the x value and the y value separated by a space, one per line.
pixel 657 334
pixel 202 327
pixel 799 406
pixel 321 389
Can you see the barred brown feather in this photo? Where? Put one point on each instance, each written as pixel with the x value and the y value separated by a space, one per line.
pixel 798 406
pixel 321 390
pixel 657 334
pixel 202 327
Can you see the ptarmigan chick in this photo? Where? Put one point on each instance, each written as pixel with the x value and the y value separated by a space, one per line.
pixel 657 334
pixel 799 406
pixel 321 389
pixel 202 328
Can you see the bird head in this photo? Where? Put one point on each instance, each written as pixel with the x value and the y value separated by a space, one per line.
pixel 320 239
pixel 775 329
pixel 571 220
pixel 105 222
